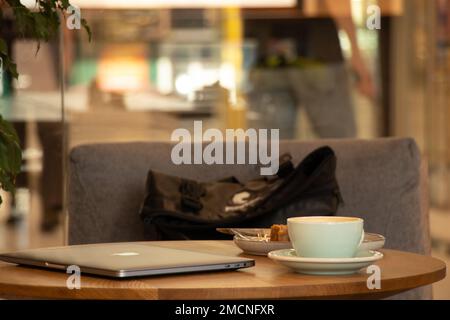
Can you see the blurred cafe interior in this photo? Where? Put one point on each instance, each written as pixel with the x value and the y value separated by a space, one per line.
pixel 312 68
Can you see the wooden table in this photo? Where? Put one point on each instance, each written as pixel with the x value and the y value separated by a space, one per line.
pixel 401 271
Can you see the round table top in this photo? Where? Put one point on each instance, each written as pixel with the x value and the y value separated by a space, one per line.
pixel 401 271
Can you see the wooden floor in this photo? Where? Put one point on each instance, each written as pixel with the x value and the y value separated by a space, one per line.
pixel 440 223
pixel 27 233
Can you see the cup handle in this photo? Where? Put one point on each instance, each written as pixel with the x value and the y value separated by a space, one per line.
pixel 362 238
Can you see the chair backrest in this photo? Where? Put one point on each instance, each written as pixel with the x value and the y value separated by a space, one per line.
pixel 382 181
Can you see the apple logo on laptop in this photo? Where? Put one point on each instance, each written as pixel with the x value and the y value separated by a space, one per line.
pixel 125 254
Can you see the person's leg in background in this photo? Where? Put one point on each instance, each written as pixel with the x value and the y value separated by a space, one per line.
pixel 51 181
pixel 272 101
pixel 324 91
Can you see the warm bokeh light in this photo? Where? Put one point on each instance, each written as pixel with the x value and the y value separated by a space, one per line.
pixel 164 81
pixel 122 74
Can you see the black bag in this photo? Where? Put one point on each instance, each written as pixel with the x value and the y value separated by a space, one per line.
pixel 176 208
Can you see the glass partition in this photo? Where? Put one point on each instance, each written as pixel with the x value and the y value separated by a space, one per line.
pixel 33 105
pixel 305 68
pixel 149 71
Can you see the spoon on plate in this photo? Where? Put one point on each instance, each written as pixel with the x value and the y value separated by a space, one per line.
pixel 247 233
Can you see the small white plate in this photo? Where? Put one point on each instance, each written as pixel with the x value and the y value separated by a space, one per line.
pixel 325 266
pixel 372 241
pixel 260 247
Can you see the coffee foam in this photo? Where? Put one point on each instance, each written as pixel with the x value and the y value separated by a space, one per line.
pixel 324 219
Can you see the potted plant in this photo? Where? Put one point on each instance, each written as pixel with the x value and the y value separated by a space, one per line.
pixel 42 23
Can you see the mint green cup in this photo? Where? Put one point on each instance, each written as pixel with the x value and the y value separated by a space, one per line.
pixel 326 237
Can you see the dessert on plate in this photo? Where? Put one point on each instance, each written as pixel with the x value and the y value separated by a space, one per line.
pixel 279 232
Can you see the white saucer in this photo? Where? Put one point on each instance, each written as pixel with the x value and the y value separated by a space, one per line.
pixel 256 242
pixel 325 266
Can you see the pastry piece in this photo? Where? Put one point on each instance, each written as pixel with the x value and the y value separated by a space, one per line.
pixel 279 232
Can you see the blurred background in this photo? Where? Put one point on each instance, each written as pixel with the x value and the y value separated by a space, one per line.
pixel 312 68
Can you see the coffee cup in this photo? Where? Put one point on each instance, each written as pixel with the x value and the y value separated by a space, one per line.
pixel 326 237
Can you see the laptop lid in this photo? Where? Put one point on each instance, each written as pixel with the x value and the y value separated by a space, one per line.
pixel 125 259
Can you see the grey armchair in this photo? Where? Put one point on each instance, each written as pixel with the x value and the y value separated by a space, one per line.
pixel 382 181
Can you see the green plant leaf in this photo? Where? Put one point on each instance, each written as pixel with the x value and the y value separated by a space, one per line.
pixel 9 65
pixel 87 28
pixel 3 47
pixel 12 67
pixel 40 23
pixel 65 4
pixel 10 156
pixel 43 22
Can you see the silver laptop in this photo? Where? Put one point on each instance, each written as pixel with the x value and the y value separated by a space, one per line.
pixel 123 260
